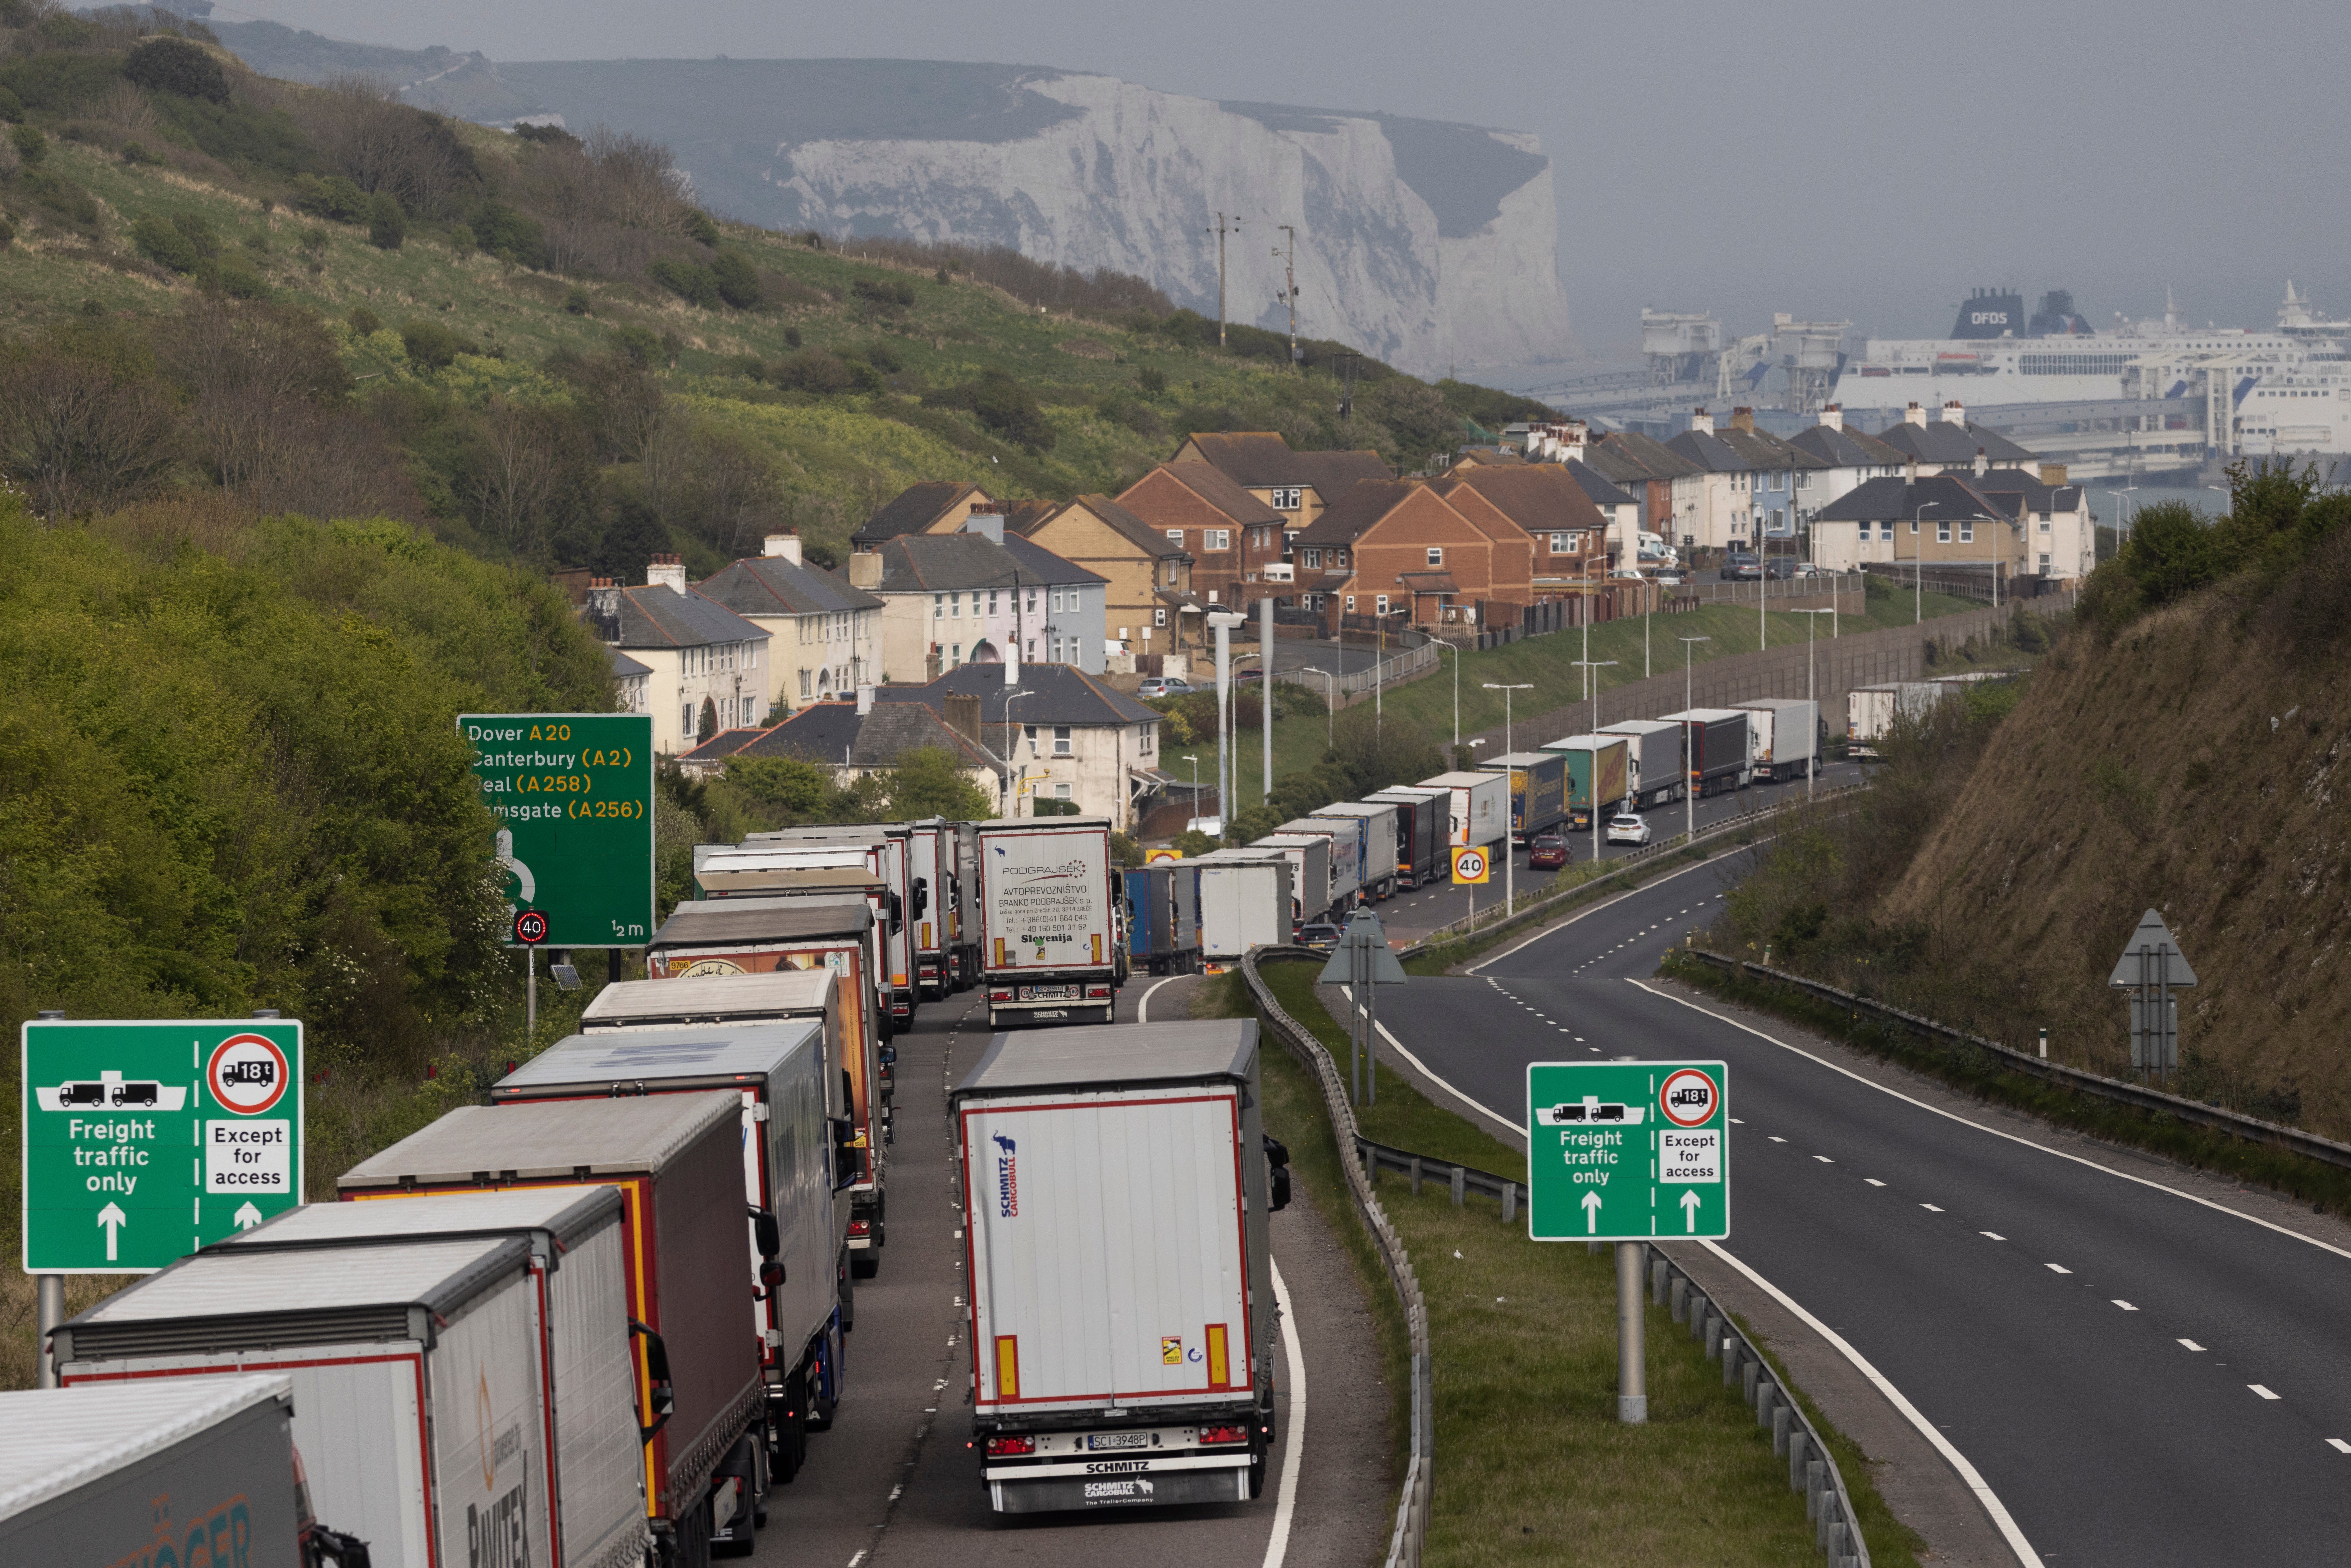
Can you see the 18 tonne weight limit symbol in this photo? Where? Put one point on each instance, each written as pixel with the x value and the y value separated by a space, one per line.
pixel 1625 1152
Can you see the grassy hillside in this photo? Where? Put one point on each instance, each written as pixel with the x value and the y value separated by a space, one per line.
pixel 2180 751
pixel 547 350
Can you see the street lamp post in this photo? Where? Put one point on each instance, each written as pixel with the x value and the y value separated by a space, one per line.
pixel 1810 696
pixel 1591 678
pixel 1330 702
pixel 1509 859
pixel 1012 751
pixel 1918 563
pixel 1689 796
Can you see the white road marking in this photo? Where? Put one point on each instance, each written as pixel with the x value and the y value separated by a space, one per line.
pixel 1421 1068
pixel 1824 1159
pixel 1143 1007
pixel 1995 1235
pixel 1995 1131
pixel 1872 1181
pixel 2260 1390
pixel 2338 1444
pixel 2059 1268
pixel 858 1558
pixel 2125 1305
pixel 1930 1209
pixel 1737 1123
pixel 2193 1346
pixel 1286 1505
pixel 2007 1526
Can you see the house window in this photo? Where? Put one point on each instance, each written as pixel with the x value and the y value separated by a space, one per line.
pixel 1061 741
pixel 1351 604
pixel 938 606
pixel 1338 558
pixel 2044 565
pixel 1057 651
pixel 806 690
pixel 991 601
pixel 1313 561
pixel 1885 530
pixel 1285 500
pixel 1212 596
pixel 1062 791
pixel 1142 738
pixel 1559 544
pixel 1032 601
pixel 1967 533
pixel 1028 733
pixel 1436 556
pixel 1942 532
pixel 1176 537
pixel 1218 538
pixel 1380 604
pixel 685 721
pixel 1032 653
pixel 2044 522
pixel 1159 615
pixel 1288 542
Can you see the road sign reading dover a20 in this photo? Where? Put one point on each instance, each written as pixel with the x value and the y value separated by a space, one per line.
pixel 1627 1151
pixel 144 1140
pixel 574 796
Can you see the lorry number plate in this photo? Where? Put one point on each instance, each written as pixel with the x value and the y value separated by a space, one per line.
pixel 1100 1441
pixel 1047 993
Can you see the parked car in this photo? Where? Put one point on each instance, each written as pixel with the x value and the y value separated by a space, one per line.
pixel 1162 686
pixel 1672 576
pixel 1737 566
pixel 1546 851
pixel 1320 935
pixel 1627 828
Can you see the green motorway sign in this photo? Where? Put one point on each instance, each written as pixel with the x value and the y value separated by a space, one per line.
pixel 145 1140
pixel 1627 1151
pixel 574 795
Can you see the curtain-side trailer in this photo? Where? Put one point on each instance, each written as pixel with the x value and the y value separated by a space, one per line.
pixel 1116 1188
pixel 801 990
pixel 889 847
pixel 1049 943
pixel 151 1472
pixel 1657 759
pixel 678 1160
pixel 1479 808
pixel 1346 838
pixel 1383 841
pixel 1599 774
pixel 1537 790
pixel 1164 916
pixel 1311 877
pixel 1422 826
pixel 1787 736
pixel 1721 749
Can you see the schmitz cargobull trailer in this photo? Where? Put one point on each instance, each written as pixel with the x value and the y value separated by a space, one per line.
pixel 1116 1183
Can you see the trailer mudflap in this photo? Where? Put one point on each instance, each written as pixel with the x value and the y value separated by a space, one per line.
pixel 1219 1477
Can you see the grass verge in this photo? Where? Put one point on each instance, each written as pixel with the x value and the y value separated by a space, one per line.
pixel 1981 1075
pixel 1532 1465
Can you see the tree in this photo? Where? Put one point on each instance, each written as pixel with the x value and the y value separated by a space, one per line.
pixel 800 790
pixel 431 346
pixel 737 279
pixel 78 437
pixel 387 224
pixel 177 66
pixel 707 725
pixel 928 781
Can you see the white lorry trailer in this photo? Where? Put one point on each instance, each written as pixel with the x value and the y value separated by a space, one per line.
pixel 1479 808
pixel 1787 736
pixel 1049 944
pixel 456 1378
pixel 889 851
pixel 1659 754
pixel 1382 841
pixel 1346 839
pixel 1870 711
pixel 152 1472
pixel 1245 902
pixel 1117 1184
pixel 1311 877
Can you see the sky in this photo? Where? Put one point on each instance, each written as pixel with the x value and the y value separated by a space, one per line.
pixel 1835 161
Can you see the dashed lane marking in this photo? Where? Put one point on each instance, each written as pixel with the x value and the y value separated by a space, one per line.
pixel 2125 1305
pixel 1995 1235
pixel 2193 1346
pixel 2260 1390
pixel 1930 1209
pixel 1872 1181
pixel 2059 1268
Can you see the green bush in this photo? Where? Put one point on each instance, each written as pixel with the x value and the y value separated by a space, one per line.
pixel 334 198
pixel 431 346
pixel 637 343
pixel 510 235
pixel 364 321
pixel 737 279
pixel 883 291
pixel 576 302
pixel 12 108
pixel 177 66
pixel 7 232
pixel 823 371
pixel 30 144
pixel 387 224
pixel 461 240
pixel 135 154
pixel 700 229
pixel 1003 406
pixel 1152 382
pixel 234 275
pixel 198 231
pixel 163 244
pixel 690 281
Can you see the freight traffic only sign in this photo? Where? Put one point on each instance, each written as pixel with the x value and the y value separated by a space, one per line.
pixel 145 1140
pixel 1627 1151
pixel 574 797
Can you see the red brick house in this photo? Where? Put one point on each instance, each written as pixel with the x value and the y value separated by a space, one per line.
pixel 1565 536
pixel 1398 548
pixel 1229 533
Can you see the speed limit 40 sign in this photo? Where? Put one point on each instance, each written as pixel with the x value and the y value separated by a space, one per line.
pixel 1471 865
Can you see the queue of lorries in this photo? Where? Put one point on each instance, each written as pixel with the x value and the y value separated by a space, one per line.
pixel 595 1320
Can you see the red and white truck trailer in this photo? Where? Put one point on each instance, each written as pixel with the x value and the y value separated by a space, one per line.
pixel 1117 1183
pixel 678 1161
pixel 1048 943
pixel 462 1380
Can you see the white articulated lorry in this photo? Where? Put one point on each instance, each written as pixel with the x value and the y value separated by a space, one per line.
pixel 1312 879
pixel 1245 902
pixel 1659 752
pixel 1117 1183
pixel 1048 945
pixel 458 1378
pixel 1480 813
pixel 1787 736
pixel 1381 840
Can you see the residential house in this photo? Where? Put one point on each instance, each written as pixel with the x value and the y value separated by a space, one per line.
pixel 1755 482
pixel 1951 443
pixel 1063 734
pixel 932 507
pixel 1942 520
pixel 1229 533
pixel 1397 548
pixel 629 676
pixel 695 650
pixel 1618 506
pixel 1565 548
pixel 825 636
pixel 1300 485
pixel 986 596
pixel 2060 538
pixel 1851 457
pixel 1669 487
pixel 1148 597
pixel 853 741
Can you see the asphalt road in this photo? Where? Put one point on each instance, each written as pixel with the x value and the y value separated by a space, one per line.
pixel 893 1483
pixel 1409 915
pixel 2145 1366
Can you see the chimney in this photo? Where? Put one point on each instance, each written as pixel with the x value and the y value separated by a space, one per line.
pixel 988 524
pixel 1916 416
pixel 1954 412
pixel 665 571
pixel 1910 467
pixel 787 544
pixel 1702 420
pixel 1575 435
pixel 865 701
pixel 1833 417
pixel 604 600
pixel 1743 419
pixel 963 715
pixel 865 569
pixel 1012 654
pixel 1980 465
pixel 2053 475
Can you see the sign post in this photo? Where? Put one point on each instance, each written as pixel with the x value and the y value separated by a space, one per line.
pixel 146 1140
pixel 1625 1152
pixel 2151 966
pixel 1363 962
pixel 1471 868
